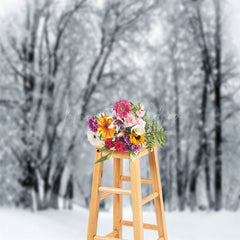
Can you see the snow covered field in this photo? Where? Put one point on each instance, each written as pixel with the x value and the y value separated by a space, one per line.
pixel 72 225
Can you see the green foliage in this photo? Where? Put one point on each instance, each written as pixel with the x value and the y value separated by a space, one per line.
pixel 145 118
pixel 154 135
pixel 132 105
pixel 135 108
pixel 132 155
pixel 106 157
pixel 104 148
pixel 150 140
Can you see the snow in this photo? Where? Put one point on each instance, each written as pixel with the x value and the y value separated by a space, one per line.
pixel 18 224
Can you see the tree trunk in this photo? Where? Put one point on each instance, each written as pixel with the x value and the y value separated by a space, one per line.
pixel 69 194
pixel 170 181
pixel 208 179
pixel 217 107
pixel 55 188
pixel 202 144
pixel 178 147
pixel 186 176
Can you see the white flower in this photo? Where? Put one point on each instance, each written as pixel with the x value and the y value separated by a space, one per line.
pixel 101 115
pixel 94 138
pixel 138 129
pixel 141 107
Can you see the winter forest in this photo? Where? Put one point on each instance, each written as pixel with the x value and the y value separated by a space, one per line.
pixel 63 60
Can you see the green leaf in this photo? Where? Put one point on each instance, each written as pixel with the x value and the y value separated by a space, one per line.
pixel 104 148
pixel 152 125
pixel 132 156
pixel 134 109
pixel 104 158
pixel 145 117
pixel 109 156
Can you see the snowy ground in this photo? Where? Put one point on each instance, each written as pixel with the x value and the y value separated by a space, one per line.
pixel 72 225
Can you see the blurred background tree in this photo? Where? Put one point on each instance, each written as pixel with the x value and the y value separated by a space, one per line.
pixel 64 60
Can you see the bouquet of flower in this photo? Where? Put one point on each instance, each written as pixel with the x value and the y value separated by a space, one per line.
pixel 127 129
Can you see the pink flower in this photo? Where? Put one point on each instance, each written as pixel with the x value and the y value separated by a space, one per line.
pixel 122 108
pixel 141 122
pixel 140 113
pixel 130 120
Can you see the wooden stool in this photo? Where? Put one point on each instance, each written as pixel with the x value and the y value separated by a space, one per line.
pixel 99 192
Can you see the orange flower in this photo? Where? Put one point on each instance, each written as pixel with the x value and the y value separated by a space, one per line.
pixel 104 122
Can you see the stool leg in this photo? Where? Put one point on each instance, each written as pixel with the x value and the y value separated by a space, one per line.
pixel 158 202
pixel 117 198
pixel 136 199
pixel 95 198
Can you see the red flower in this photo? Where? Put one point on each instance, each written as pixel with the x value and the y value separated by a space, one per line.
pixel 109 143
pixel 120 147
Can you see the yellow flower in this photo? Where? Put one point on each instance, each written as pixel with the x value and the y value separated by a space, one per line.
pixel 137 139
pixel 104 122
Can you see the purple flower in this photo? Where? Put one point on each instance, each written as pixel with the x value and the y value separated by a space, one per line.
pixel 136 148
pixel 127 140
pixel 126 148
pixel 92 124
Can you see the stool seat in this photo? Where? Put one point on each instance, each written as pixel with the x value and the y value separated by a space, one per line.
pixel 100 192
pixel 123 155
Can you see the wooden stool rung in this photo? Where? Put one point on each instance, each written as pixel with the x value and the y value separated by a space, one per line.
pixel 114 190
pixel 104 195
pixel 145 225
pixel 149 198
pixel 104 238
pixel 143 180
pixel 112 234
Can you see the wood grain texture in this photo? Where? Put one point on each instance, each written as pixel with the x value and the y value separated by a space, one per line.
pixel 136 192
pixel 104 238
pixel 158 201
pixel 145 225
pixel 104 195
pixel 114 190
pixel 136 199
pixel 143 180
pixel 117 198
pixel 112 234
pixel 95 198
pixel 149 198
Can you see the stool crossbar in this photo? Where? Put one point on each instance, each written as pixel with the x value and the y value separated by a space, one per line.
pixel 100 192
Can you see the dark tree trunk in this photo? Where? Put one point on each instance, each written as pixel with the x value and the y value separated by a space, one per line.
pixel 202 144
pixel 28 52
pixel 55 188
pixel 178 147
pixel 208 179
pixel 186 176
pixel 217 107
pixel 170 181
pixel 69 194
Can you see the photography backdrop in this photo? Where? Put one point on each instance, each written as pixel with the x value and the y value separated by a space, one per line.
pixel 61 61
